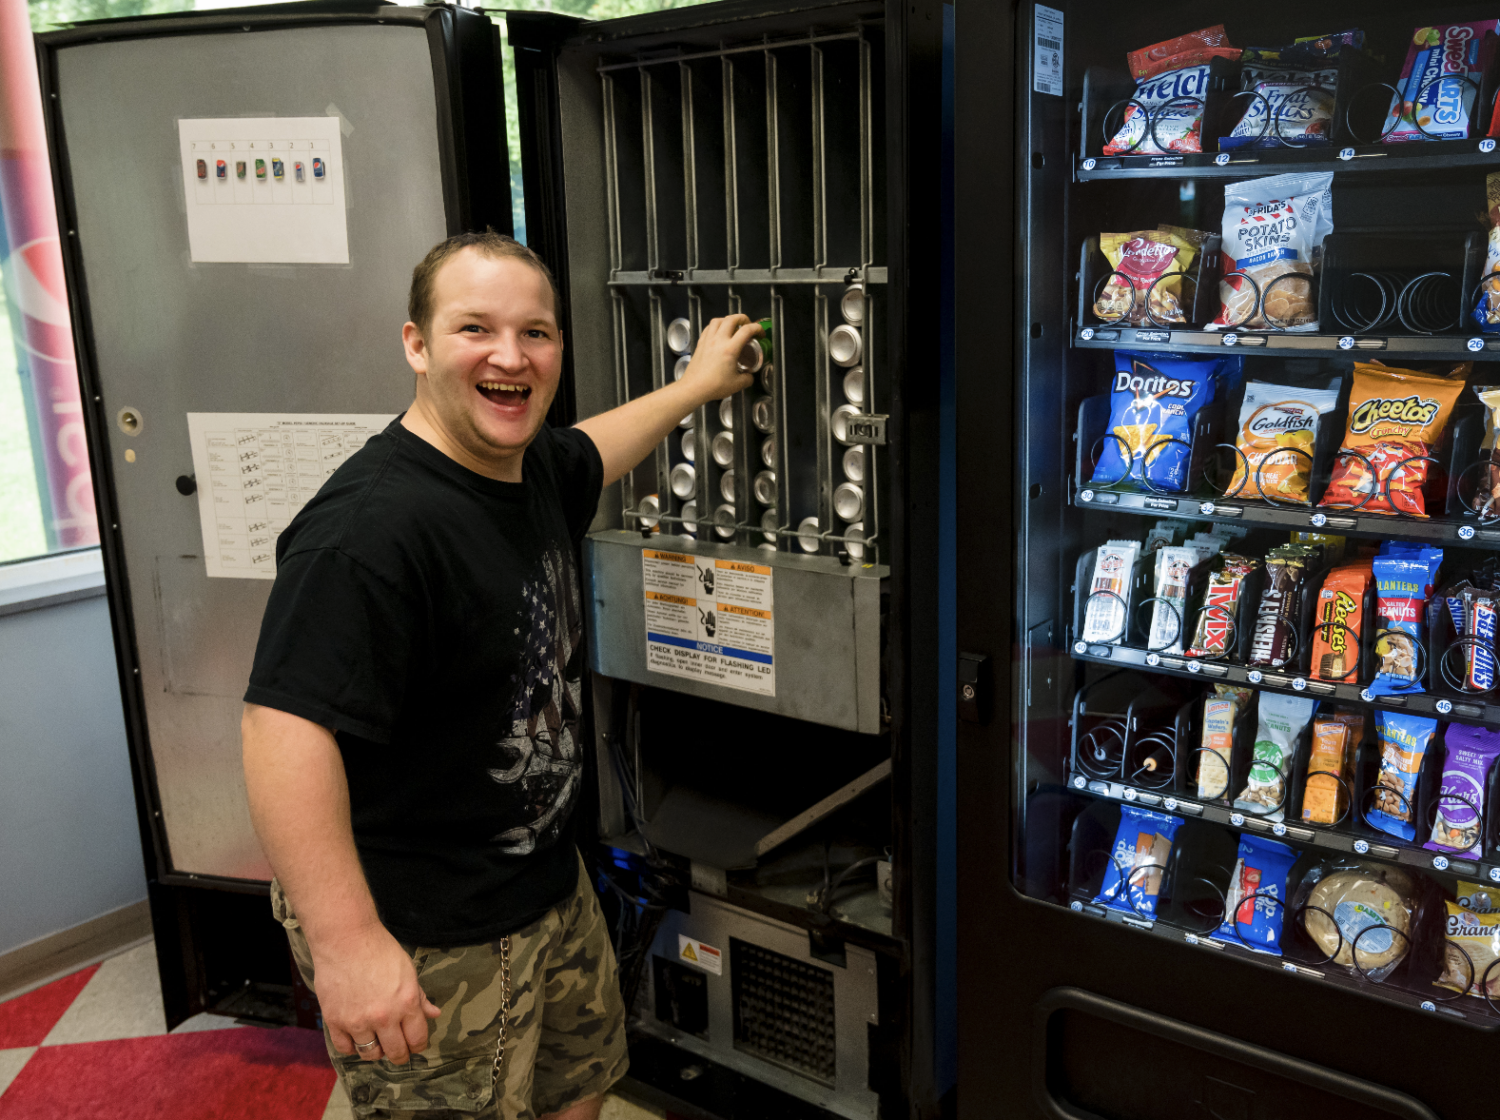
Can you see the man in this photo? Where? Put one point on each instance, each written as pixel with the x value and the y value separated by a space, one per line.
pixel 411 726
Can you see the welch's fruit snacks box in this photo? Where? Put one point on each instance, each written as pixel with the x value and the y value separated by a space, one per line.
pixel 1439 86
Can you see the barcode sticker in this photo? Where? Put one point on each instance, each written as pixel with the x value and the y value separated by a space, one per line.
pixel 1047 73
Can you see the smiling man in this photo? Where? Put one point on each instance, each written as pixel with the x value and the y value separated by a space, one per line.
pixel 411 727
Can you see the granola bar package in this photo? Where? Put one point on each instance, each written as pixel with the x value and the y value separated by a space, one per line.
pixel 1274 229
pixel 1403 744
pixel 1472 947
pixel 1396 417
pixel 1280 721
pixel 1339 621
pixel 1439 85
pixel 1219 714
pixel 1404 581
pixel 1471 753
pixel 1278 431
pixel 1142 287
pixel 1325 798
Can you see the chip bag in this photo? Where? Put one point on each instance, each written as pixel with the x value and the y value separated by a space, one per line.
pixel 1278 431
pixel 1440 82
pixel 1487 311
pixel 1338 621
pixel 1485 500
pixel 1471 752
pixel 1396 417
pixel 1403 744
pixel 1273 228
pixel 1138 861
pixel 1152 405
pixel 1142 288
pixel 1255 904
pixel 1472 947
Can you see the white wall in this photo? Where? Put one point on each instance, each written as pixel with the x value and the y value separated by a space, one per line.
pixel 69 845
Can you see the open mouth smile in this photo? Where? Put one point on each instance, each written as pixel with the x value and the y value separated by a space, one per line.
pixel 504 393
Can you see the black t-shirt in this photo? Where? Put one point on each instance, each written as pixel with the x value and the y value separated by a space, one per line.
pixel 433 619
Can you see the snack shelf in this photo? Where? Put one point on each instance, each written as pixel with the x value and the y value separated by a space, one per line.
pixel 1350 523
pixel 1358 159
pixel 1323 840
pixel 1417 348
pixel 1471 1012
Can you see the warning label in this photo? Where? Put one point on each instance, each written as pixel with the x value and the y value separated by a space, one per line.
pixel 710 620
pixel 704 956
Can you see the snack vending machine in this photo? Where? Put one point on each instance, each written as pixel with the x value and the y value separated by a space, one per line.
pixel 1240 540
pixel 761 705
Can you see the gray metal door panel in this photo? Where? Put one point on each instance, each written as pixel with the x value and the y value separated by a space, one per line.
pixel 172 337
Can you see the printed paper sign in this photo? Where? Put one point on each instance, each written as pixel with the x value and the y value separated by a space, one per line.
pixel 1047 72
pixel 255 470
pixel 264 190
pixel 704 956
pixel 710 620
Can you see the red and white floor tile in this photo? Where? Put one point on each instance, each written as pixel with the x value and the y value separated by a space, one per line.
pixel 95 1046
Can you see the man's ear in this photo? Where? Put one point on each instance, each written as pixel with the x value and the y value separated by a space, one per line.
pixel 416 348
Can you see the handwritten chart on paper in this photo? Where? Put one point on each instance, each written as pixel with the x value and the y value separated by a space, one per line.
pixel 255 470
pixel 710 620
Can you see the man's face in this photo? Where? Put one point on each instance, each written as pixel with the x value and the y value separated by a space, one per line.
pixel 488 365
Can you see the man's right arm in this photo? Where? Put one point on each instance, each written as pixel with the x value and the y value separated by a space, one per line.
pixel 299 803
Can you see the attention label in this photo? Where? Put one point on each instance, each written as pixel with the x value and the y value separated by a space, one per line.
pixel 704 956
pixel 1047 73
pixel 710 620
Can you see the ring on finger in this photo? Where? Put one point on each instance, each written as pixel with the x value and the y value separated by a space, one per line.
pixel 367 1045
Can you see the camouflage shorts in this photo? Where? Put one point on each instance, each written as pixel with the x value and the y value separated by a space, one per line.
pixel 564 1037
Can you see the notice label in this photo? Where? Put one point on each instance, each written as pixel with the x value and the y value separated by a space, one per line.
pixel 704 956
pixel 710 620
pixel 1048 68
pixel 255 470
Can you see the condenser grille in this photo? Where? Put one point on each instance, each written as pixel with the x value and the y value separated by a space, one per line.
pixel 783 1010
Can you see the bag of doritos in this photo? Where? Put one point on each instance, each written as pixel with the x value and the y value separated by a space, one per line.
pixel 1395 419
pixel 1152 405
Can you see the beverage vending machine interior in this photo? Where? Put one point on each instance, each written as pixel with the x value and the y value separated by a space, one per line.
pixel 1228 845
pixel 760 593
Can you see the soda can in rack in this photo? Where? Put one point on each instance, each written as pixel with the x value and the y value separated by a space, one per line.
pixel 768 378
pixel 726 485
pixel 852 304
pixel 765 487
pixel 649 511
pixel 854 462
pixel 763 414
pixel 726 412
pixel 681 367
pixel 723 449
pixel 839 422
pixel 684 480
pixel 768 451
pixel 854 385
pixel 770 521
pixel 690 517
pixel 849 501
pixel 690 446
pixel 807 535
pixel 724 521
pixel 845 346
pixel 680 336
pixel 854 540
pixel 758 352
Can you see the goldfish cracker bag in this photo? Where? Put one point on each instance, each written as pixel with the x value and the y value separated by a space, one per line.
pixel 1395 416
pixel 1278 430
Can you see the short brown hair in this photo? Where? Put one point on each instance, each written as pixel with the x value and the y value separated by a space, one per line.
pixel 491 244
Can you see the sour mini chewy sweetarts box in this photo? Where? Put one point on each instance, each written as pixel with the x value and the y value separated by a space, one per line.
pixel 1439 85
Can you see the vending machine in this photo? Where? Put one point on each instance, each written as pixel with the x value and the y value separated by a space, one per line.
pixel 244 195
pixel 1226 564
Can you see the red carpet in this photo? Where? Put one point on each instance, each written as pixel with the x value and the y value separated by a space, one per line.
pixel 247 1074
pixel 25 1020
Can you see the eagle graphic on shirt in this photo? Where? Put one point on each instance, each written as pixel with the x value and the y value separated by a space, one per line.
pixel 539 757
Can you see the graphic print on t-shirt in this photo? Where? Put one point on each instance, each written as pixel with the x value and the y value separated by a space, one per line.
pixel 540 754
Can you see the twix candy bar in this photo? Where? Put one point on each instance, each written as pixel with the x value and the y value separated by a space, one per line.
pixel 1216 621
